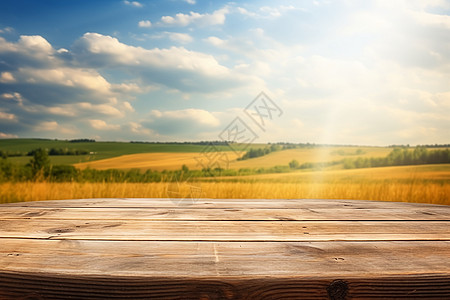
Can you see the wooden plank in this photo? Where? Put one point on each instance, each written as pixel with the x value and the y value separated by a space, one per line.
pixel 223 249
pixel 330 260
pixel 222 203
pixel 226 230
pixel 241 270
pixel 203 214
pixel 31 286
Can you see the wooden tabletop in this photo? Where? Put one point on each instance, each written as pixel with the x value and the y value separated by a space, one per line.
pixel 224 249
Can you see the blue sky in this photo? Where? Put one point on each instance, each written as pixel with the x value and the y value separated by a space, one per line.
pixel 343 72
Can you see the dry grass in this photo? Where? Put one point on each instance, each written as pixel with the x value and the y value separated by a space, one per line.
pixel 407 174
pixel 417 192
pixel 154 161
pixel 173 161
pixel 310 155
pixel 425 184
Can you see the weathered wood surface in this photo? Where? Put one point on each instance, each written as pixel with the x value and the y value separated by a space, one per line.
pixel 224 249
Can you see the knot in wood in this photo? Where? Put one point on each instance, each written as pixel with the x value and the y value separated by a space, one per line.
pixel 337 290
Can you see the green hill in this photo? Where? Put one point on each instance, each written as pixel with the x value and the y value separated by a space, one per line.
pixel 98 150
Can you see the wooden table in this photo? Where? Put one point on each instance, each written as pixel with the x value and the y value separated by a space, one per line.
pixel 224 249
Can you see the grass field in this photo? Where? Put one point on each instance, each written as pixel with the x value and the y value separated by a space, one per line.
pixel 101 150
pixel 424 184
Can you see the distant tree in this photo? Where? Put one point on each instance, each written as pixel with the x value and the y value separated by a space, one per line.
pixel 359 151
pixel 40 163
pixel 63 173
pixel 294 164
pixel 5 169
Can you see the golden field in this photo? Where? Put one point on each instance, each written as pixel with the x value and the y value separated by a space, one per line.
pixel 173 161
pixel 439 173
pixel 154 161
pixel 309 155
pixel 424 184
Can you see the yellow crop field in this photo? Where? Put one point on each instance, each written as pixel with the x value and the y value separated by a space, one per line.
pixel 426 184
pixel 154 161
pixel 174 161
pixel 425 173
pixel 310 155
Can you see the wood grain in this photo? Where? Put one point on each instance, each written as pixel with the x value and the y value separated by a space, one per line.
pixel 224 249
pixel 206 259
pixel 223 203
pixel 215 214
pixel 226 230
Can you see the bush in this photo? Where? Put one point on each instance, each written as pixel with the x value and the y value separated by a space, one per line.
pixel 294 164
pixel 40 163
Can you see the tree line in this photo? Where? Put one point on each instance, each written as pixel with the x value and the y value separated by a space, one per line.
pixel 401 157
pixel 252 153
pixel 51 151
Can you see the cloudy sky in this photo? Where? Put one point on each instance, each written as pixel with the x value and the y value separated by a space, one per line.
pixel 344 72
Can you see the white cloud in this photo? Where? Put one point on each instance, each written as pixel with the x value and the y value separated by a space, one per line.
pixel 190 1
pixel 216 18
pixel 245 12
pixel 35 43
pixel 7 30
pixel 7 136
pixel 117 53
pixel 7 116
pixel 66 110
pixel 47 126
pixel 17 97
pixel 28 50
pixel 7 77
pixel 429 19
pixel 267 12
pixel 198 116
pixel 87 79
pixel 127 106
pixel 215 41
pixel 180 37
pixel 270 11
pixel 43 83
pixel 53 126
pixel 175 67
pixel 145 23
pixel 102 125
pixel 133 3
pixel 104 109
pixel 41 76
pixel 127 88
pixel 181 122
pixel 137 128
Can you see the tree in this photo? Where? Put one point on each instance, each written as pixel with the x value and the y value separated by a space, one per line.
pixel 63 173
pixel 294 164
pixel 40 163
pixel 5 169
